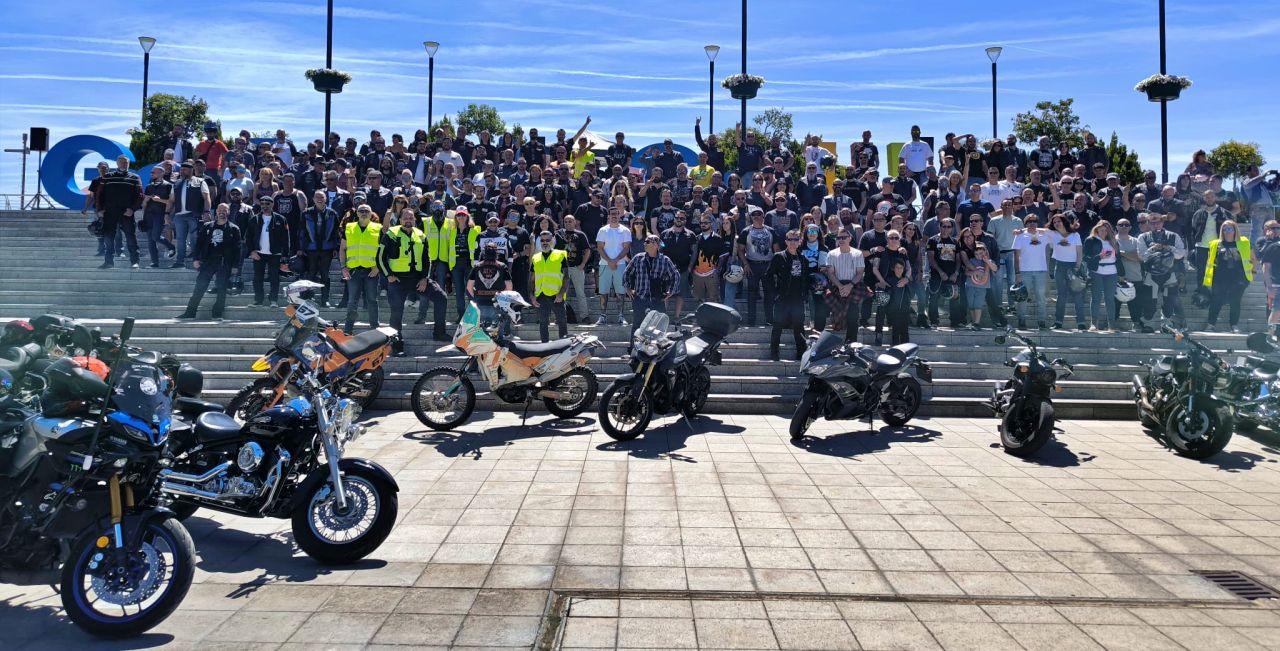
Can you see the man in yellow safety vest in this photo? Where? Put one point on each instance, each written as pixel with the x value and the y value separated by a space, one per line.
pixel 359 268
pixel 400 258
pixel 549 268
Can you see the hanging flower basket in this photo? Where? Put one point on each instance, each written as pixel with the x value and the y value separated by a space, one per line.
pixel 327 80
pixel 743 86
pixel 1162 87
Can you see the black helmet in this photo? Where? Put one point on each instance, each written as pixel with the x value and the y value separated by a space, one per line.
pixel 490 253
pixel 1200 298
pixel 1019 294
pixel 1158 263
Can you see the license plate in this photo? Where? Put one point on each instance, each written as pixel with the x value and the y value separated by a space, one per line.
pixel 1240 361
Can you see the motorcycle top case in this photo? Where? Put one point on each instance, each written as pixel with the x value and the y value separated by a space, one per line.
pixel 717 320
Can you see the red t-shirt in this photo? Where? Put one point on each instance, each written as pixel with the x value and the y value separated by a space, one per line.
pixel 211 152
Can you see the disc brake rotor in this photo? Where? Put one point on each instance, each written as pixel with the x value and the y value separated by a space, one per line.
pixel 135 582
pixel 327 516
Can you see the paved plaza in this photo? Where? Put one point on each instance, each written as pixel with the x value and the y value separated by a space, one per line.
pixel 722 534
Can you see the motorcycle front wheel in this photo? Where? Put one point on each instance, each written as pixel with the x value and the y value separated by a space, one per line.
pixel 624 416
pixel 336 536
pixel 581 386
pixel 903 402
pixel 806 413
pixel 253 399
pixel 1200 434
pixel 1025 428
pixel 127 596
pixel 697 391
pixel 443 398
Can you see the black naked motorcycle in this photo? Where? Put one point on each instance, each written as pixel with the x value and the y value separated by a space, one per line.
pixel 286 462
pixel 1023 403
pixel 668 370
pixel 1181 399
pixel 848 381
pixel 1257 389
pixel 79 490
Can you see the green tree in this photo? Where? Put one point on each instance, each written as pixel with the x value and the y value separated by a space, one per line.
pixel 517 132
pixel 1123 162
pixel 774 122
pixel 1054 119
pixel 164 112
pixel 442 123
pixel 480 117
pixel 1232 158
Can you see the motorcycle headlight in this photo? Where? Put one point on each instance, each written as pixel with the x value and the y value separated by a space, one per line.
pixel 649 348
pixel 1023 368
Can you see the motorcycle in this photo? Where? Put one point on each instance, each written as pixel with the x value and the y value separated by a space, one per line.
pixel 287 462
pixel 80 492
pixel 352 367
pixel 848 381
pixel 1256 385
pixel 668 370
pixel 1180 399
pixel 1023 403
pixel 443 397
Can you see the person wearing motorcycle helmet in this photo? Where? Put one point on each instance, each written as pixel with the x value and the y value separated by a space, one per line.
pixel 211 149
pixel 1161 250
pixel 488 278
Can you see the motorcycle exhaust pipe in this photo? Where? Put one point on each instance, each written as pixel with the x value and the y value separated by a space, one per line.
pixel 189 491
pixel 1140 392
pixel 171 475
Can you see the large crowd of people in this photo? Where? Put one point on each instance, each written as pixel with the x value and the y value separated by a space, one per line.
pixel 985 229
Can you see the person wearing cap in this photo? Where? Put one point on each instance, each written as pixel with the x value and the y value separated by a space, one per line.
pixel 465 239
pixel 885 195
pixel 269 242
pixel 789 279
pixel 1112 200
pixel 321 236
pixel 216 252
pixel 755 248
pixel 358 253
pixel 401 251
pixel 191 202
pixel 519 248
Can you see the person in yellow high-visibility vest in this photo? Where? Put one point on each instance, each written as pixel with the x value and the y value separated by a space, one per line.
pixel 549 268
pixel 359 267
pixel 400 258
pixel 1228 270
pixel 440 230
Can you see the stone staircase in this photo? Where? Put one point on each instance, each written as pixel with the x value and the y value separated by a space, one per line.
pixel 47 265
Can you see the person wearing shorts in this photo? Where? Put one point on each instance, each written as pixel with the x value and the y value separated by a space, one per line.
pixel 613 242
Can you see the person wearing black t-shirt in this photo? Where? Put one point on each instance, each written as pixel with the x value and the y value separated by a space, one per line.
pixel 872 244
pixel 677 244
pixel 578 247
pixel 155 203
pixel 489 277
pixel 944 261
pixel 519 247
pixel 892 271
pixel 886 193
pixel 788 274
pixel 663 215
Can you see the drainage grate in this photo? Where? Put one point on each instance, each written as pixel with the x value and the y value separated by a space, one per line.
pixel 1238 584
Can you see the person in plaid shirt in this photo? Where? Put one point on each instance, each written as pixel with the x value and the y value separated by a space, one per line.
pixel 651 278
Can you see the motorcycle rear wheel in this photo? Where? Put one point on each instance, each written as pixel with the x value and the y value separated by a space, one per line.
pixel 1026 428
pixel 905 391
pixel 632 413
pixel 698 390
pixel 579 379
pixel 253 399
pixel 371 386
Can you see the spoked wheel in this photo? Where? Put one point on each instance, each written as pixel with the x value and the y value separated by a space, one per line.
pixel 126 595
pixel 579 388
pixel 253 399
pixel 624 416
pixel 698 389
pixel 1199 434
pixel 903 401
pixel 1027 427
pixel 443 398
pixel 365 387
pixel 806 413
pixel 335 535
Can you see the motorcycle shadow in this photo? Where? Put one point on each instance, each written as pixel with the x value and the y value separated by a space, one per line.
pixel 851 444
pixel 1055 454
pixel 38 621
pixel 257 559
pixel 1239 461
pixel 661 442
pixel 457 443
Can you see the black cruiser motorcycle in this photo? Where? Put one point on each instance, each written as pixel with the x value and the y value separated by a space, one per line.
pixel 1182 397
pixel 1024 402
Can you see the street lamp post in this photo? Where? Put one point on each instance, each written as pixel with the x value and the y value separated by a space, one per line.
pixel 993 53
pixel 712 51
pixel 147 43
pixel 328 64
pixel 431 47
pixel 1164 110
pixel 743 122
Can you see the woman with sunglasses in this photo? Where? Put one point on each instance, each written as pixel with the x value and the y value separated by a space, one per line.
pixel 1101 253
pixel 814 252
pixel 392 217
pixel 914 242
pixel 1228 272
pixel 639 229
pixel 892 271
pixel 1065 251
pixel 1131 270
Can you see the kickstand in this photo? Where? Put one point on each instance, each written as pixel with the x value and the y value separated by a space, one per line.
pixel 527 403
pixel 871 420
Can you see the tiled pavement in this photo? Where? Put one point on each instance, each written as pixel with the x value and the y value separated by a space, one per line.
pixel 724 535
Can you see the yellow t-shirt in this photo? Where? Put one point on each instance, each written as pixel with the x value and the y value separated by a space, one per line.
pixel 701 175
pixel 581 161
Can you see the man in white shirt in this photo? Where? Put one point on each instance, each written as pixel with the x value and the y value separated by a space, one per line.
pixel 845 267
pixel 283 148
pixel 993 191
pixel 917 154
pixel 614 244
pixel 447 155
pixel 1032 267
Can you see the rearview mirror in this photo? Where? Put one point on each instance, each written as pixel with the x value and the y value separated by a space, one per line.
pixel 81 338
pixel 126 330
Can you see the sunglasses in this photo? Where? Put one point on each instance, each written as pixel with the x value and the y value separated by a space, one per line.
pixel 793 239
pixel 894 237
pixel 364 212
pixel 1124 225
pixel 843 237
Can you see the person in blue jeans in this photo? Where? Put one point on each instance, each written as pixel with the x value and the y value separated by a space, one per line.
pixel 1031 267
pixel 1101 254
pixel 191 201
pixel 1065 249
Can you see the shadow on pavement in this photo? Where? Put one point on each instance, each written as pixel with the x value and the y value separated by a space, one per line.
pixel 663 441
pixel 1055 454
pixel 1238 460
pixel 851 444
pixel 40 623
pixel 472 444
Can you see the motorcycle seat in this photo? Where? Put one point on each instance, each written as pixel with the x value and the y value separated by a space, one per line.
pixel 195 406
pixel 525 349
pixel 886 363
pixel 15 360
pixel 906 350
pixel 361 344
pixel 214 425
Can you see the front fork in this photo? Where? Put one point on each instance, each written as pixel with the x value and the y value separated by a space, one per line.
pixel 332 453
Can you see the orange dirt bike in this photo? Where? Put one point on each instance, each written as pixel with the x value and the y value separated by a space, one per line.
pixel 517 371
pixel 351 367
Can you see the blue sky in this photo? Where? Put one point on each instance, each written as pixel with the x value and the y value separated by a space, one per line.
pixel 838 66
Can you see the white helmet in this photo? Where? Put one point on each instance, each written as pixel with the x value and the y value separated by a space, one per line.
pixel 1125 291
pixel 510 303
pixel 301 291
pixel 733 275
